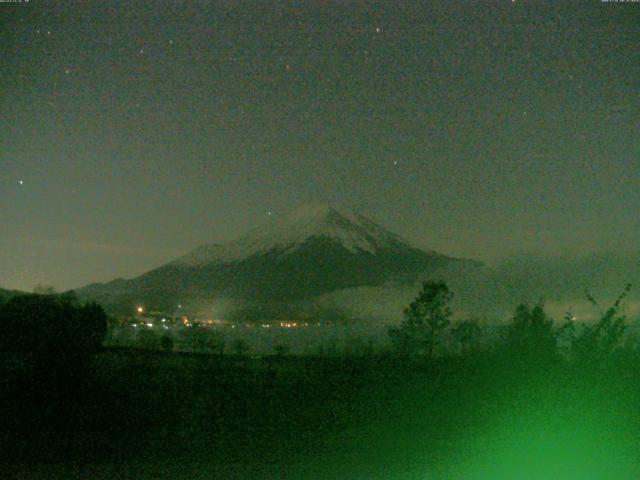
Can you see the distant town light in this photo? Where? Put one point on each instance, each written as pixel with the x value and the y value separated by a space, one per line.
pixel 140 310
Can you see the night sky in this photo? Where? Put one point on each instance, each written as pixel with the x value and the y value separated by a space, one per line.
pixel 133 132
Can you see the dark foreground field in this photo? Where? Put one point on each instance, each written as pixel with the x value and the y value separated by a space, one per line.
pixel 138 415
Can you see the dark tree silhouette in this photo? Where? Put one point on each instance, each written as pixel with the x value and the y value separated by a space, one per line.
pixel 147 338
pixel 467 334
pixel 203 340
pixel 166 343
pixel 215 343
pixel 425 320
pixel 44 324
pixel 91 326
pixel 44 290
pixel 52 335
pixel 531 335
pixel 595 343
pixel 241 347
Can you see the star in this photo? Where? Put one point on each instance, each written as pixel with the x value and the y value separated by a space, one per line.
pixel 141 51
pixel 378 30
pixel 21 182
pixel 269 213
pixel 170 42
pixel 67 71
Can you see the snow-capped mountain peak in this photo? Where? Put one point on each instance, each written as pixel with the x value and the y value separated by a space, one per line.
pixel 286 233
pixel 308 252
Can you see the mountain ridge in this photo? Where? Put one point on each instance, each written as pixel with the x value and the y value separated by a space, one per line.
pixel 312 250
pixel 354 231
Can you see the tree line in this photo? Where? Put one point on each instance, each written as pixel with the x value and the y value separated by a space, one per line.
pixel 51 335
pixel 44 330
pixel 531 334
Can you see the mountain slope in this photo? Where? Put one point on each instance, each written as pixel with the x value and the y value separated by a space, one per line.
pixel 351 231
pixel 313 250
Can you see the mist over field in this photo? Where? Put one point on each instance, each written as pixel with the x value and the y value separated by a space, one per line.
pixel 491 291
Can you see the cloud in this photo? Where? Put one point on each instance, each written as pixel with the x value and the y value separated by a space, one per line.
pixel 97 247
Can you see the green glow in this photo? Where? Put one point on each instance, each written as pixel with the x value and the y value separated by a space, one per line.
pixel 548 438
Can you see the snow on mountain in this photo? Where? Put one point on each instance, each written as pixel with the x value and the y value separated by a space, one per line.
pixel 286 234
pixel 283 265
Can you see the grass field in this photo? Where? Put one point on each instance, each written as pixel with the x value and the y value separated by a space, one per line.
pixel 143 414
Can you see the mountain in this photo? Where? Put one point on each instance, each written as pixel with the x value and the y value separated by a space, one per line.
pixel 313 250
pixel 324 262
pixel 348 230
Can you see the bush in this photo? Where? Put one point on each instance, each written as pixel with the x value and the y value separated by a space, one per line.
pixel 467 334
pixel 52 335
pixel 596 343
pixel 281 350
pixel 531 335
pixel 203 340
pixel 166 343
pixel 240 347
pixel 147 338
pixel 43 325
